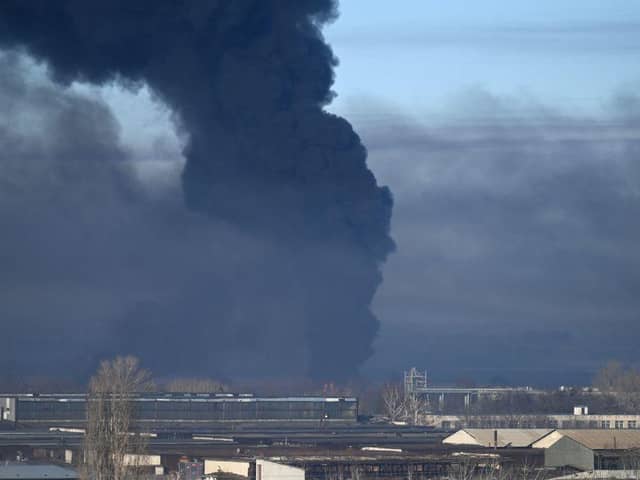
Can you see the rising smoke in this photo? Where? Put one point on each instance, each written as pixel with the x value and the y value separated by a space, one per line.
pixel 273 266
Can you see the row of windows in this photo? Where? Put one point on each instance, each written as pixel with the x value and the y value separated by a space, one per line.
pixel 618 424
pixel 161 410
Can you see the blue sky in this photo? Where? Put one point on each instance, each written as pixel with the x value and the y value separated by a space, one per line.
pixel 420 53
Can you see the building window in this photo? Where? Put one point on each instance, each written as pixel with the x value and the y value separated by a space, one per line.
pixel 605 424
pixel 631 424
pixel 619 424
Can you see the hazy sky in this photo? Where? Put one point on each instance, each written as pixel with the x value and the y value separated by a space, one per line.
pixel 508 134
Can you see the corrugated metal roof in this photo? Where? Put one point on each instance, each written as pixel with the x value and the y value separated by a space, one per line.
pixel 507 437
pixel 605 439
pixel 28 471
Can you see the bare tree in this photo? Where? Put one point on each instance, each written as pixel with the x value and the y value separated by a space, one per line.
pixel 623 384
pixel 195 385
pixel 415 407
pixel 608 378
pixel 112 450
pixel 393 400
pixel 465 470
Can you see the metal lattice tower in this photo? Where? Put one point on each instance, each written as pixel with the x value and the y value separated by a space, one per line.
pixel 414 382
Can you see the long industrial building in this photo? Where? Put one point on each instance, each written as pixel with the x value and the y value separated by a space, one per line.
pixel 177 409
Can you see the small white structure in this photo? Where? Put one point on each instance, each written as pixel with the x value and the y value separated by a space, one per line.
pixel 7 409
pixel 267 470
pixel 237 467
pixel 581 410
pixel 138 460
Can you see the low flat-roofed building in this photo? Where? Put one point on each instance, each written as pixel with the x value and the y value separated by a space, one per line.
pixel 552 421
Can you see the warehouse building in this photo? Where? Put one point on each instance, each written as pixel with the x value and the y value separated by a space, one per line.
pixel 179 409
pixel 582 449
pixel 609 449
pixel 564 421
pixel 561 450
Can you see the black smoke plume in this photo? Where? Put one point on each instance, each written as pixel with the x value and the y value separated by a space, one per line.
pixel 280 278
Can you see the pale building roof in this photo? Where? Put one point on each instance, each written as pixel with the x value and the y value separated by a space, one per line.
pixel 605 439
pixel 548 440
pixel 507 437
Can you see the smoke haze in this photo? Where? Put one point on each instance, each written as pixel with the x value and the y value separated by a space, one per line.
pixel 264 262
pixel 517 233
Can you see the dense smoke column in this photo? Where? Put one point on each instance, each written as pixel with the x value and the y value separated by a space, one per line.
pixel 248 81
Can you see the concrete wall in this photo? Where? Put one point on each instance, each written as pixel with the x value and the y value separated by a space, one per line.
pixel 266 470
pixel 566 452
